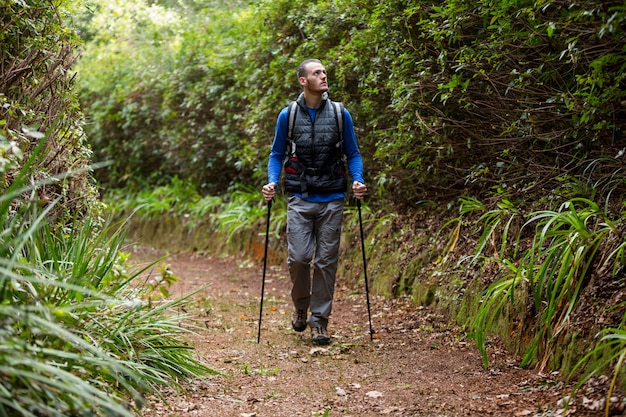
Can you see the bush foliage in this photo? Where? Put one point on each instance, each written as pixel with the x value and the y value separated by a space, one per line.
pixel 37 100
pixel 449 98
pixel 82 334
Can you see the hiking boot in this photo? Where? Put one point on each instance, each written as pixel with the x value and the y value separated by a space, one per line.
pixel 298 320
pixel 320 335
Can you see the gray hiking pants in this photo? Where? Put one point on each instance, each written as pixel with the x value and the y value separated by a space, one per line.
pixel 313 229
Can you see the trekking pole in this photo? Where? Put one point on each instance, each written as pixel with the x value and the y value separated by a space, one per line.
pixel 267 238
pixel 367 291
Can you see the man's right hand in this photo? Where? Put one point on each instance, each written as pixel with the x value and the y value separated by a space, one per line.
pixel 269 191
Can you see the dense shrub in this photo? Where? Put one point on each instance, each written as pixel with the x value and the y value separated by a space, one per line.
pixel 37 96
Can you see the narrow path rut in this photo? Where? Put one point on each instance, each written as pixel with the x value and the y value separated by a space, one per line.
pixel 418 365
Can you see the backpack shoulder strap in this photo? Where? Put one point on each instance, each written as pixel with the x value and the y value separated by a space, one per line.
pixel 291 145
pixel 292 119
pixel 339 114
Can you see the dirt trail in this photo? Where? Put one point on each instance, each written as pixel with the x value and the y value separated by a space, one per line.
pixel 419 365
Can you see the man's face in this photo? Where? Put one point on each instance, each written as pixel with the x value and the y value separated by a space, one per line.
pixel 315 80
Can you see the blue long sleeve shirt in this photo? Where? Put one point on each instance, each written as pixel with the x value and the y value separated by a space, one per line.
pixel 350 148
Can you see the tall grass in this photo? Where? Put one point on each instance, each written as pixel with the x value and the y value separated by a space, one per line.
pixel 559 261
pixel 234 215
pixel 80 335
pixel 244 208
pixel 609 351
pixel 494 299
pixel 496 224
pixel 178 197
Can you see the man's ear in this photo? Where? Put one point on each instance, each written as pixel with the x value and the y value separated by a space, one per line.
pixel 302 81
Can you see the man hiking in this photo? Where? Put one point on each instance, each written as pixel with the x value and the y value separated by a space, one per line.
pixel 313 138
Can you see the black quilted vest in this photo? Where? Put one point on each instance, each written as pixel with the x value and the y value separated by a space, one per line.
pixel 315 156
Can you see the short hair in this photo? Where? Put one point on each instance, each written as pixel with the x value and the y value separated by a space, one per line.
pixel 302 67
